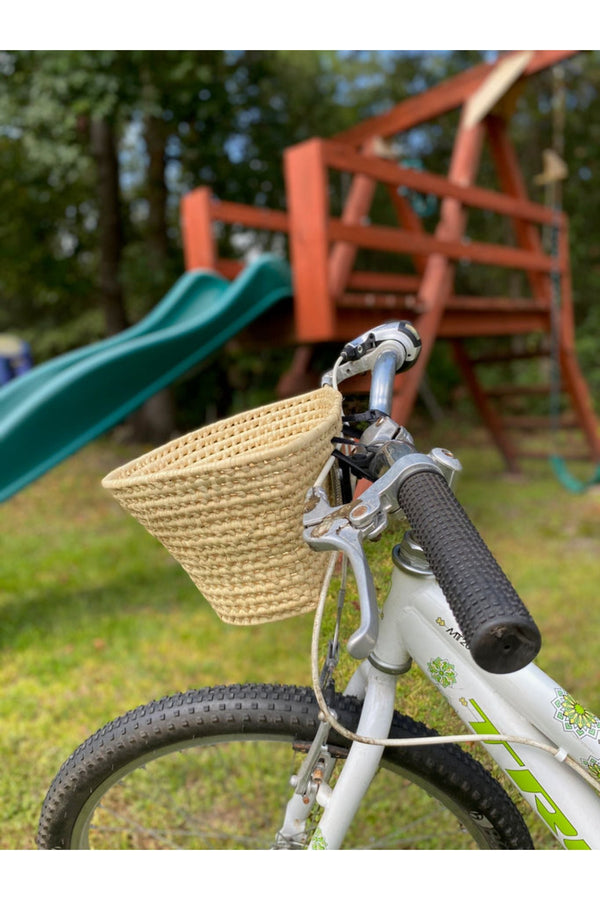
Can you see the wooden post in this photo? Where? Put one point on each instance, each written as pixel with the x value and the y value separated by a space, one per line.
pixel 486 410
pixel 196 224
pixel 308 210
pixel 439 271
pixel 511 180
pixel 342 255
pixel 574 382
pixel 409 220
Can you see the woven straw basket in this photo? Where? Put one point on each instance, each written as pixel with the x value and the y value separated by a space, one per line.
pixel 227 502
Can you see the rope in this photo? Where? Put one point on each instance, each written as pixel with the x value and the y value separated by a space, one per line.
pixel 557 462
pixel 568 480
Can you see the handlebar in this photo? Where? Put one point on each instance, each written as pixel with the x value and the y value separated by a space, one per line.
pixel 385 351
pixel 501 635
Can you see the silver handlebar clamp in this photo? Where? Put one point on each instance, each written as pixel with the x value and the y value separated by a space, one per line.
pixel 385 350
pixel 402 333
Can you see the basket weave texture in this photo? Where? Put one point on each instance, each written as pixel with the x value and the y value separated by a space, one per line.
pixel 227 502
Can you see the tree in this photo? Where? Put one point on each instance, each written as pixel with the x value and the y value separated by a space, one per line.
pixel 59 109
pixel 97 148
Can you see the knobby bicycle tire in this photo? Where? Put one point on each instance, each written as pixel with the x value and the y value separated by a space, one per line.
pixel 212 795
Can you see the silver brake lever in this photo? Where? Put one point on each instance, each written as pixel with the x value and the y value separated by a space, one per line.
pixel 346 527
pixel 329 528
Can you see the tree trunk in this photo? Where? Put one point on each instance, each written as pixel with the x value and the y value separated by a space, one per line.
pixel 158 241
pixel 110 225
pixel 155 421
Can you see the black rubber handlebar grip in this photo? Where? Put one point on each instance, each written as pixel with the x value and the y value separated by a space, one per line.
pixel 501 635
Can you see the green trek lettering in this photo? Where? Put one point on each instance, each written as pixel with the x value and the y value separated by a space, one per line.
pixel 526 782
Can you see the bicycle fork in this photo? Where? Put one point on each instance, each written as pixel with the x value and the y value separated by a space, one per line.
pixel 341 802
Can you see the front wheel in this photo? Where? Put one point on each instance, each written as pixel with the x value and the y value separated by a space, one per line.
pixel 210 769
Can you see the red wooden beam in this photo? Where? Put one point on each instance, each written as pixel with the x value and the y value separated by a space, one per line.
pixel 229 268
pixel 384 281
pixel 252 216
pixel 511 180
pixel 409 220
pixel 442 98
pixel 357 206
pixel 486 408
pixel 580 398
pixel 462 324
pixel 438 276
pixel 392 240
pixel 308 205
pixel 199 248
pixel 345 159
pixel 199 209
pixel 453 324
pixel 468 304
pixel 343 255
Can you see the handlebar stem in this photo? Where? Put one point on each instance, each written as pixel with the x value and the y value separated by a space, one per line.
pixel 382 382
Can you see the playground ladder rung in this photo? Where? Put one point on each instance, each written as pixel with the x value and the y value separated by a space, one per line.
pixel 517 356
pixel 378 298
pixel 533 423
pixel 572 456
pixel 376 301
pixel 514 390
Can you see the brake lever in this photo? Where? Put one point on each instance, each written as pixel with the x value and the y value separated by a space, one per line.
pixel 345 528
pixel 327 528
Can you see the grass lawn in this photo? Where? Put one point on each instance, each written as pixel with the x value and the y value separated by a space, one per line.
pixel 96 618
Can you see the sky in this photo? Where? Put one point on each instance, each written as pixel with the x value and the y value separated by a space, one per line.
pixel 313 24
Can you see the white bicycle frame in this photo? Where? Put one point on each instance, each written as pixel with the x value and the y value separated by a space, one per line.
pixel 418 625
pixel 547 744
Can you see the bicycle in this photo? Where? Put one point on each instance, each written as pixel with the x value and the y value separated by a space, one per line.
pixel 209 768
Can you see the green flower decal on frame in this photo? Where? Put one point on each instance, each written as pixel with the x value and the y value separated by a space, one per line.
pixel 593 766
pixel 442 672
pixel 574 717
pixel 318 842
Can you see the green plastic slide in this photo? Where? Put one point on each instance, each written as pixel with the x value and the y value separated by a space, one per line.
pixel 55 409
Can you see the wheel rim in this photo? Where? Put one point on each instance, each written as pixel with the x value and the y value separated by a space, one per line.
pixel 230 793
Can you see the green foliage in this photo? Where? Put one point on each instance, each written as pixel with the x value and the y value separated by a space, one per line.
pixel 223 119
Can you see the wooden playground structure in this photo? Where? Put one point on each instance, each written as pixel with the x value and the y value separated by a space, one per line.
pixel 335 301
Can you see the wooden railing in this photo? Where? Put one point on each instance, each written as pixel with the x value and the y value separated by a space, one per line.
pixel 334 301
pixel 331 297
pixel 200 210
pixel 323 248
